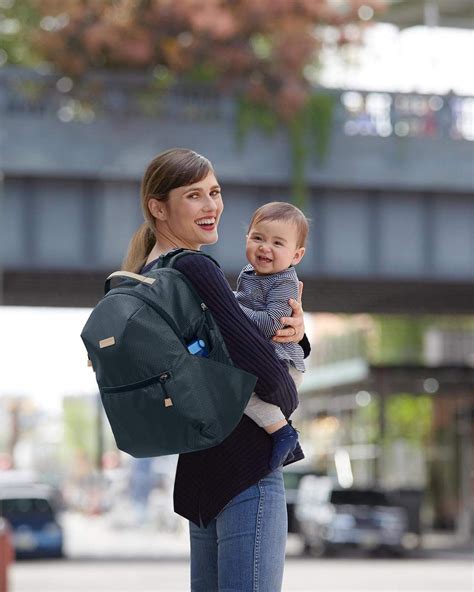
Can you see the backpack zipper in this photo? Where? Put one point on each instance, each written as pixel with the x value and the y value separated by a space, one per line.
pixel 167 399
pixel 161 378
pixel 192 289
pixel 205 310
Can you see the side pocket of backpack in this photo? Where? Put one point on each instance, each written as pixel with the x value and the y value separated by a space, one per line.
pixel 223 392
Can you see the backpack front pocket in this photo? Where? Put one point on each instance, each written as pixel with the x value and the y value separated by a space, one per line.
pixel 146 418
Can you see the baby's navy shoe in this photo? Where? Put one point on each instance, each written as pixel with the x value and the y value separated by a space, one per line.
pixel 284 442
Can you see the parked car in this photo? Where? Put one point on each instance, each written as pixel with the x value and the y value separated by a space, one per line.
pixel 331 518
pixel 31 512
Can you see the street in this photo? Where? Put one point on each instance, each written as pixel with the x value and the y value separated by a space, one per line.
pixel 101 557
pixel 302 575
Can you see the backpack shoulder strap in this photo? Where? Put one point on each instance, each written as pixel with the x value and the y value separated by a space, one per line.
pixel 143 279
pixel 169 259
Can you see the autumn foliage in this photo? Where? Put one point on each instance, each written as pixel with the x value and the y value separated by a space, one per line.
pixel 261 48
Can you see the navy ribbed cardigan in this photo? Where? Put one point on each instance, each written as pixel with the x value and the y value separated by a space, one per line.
pixel 207 480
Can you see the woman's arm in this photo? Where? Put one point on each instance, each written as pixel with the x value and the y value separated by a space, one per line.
pixel 247 347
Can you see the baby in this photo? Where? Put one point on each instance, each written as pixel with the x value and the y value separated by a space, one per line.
pixel 275 243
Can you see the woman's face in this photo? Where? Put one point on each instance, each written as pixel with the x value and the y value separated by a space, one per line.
pixel 190 216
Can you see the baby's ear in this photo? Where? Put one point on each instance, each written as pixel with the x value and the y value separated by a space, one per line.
pixel 299 254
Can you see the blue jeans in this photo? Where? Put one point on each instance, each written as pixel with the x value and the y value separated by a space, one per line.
pixel 243 548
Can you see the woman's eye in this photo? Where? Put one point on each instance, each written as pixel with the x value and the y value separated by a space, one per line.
pixel 193 195
pixel 216 193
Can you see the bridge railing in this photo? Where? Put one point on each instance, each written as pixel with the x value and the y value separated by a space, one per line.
pixel 357 113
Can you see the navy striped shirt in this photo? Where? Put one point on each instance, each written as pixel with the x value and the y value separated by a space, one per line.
pixel 264 299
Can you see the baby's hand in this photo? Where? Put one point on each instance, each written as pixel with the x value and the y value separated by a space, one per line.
pixel 293 327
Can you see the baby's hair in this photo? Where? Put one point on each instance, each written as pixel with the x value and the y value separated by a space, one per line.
pixel 281 210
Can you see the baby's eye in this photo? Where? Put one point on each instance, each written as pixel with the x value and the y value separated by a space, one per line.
pixel 257 238
pixel 278 244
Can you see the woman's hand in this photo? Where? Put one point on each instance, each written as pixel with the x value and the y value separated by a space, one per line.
pixel 293 330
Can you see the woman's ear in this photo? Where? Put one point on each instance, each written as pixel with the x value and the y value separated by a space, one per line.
pixel 157 208
pixel 298 255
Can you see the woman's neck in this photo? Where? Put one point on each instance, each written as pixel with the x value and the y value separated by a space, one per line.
pixel 163 245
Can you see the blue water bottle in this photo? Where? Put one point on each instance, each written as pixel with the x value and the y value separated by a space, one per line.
pixel 198 348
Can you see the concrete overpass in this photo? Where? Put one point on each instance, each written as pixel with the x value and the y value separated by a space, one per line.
pixel 392 201
pixel 441 13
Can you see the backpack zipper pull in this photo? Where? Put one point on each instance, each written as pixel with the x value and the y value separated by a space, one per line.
pixel 163 378
pixel 206 312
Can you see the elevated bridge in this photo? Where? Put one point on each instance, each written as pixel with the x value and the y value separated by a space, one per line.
pixel 391 202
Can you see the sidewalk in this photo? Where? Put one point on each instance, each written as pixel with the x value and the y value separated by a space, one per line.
pixel 90 537
pixel 93 537
pixel 445 544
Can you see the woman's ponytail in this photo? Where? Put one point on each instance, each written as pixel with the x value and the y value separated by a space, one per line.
pixel 139 248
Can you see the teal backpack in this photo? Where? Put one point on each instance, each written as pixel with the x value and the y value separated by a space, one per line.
pixel 160 398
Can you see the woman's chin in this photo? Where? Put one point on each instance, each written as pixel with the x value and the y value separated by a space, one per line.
pixel 210 239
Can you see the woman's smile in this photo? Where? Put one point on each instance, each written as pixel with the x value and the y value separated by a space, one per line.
pixel 208 223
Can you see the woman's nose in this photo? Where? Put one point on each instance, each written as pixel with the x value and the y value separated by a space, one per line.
pixel 210 204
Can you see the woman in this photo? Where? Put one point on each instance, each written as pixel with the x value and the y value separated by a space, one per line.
pixel 235 505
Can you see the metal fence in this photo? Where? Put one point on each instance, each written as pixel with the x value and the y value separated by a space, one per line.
pixel 356 113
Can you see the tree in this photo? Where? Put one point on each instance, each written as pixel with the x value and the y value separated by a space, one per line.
pixel 17 20
pixel 262 50
pixel 259 46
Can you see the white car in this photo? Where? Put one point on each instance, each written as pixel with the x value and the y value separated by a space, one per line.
pixel 331 517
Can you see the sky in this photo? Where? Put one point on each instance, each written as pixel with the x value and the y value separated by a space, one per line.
pixel 41 353
pixel 418 59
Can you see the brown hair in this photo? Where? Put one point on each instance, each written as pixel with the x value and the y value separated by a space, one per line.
pixel 174 168
pixel 280 210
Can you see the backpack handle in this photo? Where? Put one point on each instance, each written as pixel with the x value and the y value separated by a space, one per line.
pixel 143 279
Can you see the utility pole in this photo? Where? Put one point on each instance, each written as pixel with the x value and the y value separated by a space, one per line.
pixel 14 409
pixel 2 229
pixel 3 141
pixel 431 13
pixel 464 522
pixel 381 392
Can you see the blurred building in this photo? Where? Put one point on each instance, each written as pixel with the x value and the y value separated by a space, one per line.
pixel 403 424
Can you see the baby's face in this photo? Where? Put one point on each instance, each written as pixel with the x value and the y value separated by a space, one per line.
pixel 272 246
